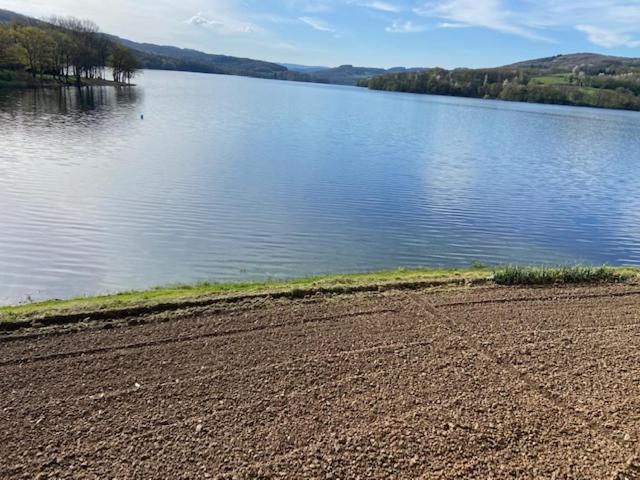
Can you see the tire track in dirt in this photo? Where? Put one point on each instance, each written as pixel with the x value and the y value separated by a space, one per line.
pixel 261 368
pixel 557 400
pixel 180 382
pixel 193 420
pixel 166 341
pixel 198 354
pixel 554 298
pixel 610 328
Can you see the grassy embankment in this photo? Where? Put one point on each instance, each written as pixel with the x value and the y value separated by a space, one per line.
pixel 173 297
pixel 556 79
pixel 16 79
pixel 562 80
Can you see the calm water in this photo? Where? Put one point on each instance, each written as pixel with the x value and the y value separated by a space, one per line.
pixel 230 178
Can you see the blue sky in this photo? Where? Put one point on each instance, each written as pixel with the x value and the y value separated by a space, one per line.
pixel 447 33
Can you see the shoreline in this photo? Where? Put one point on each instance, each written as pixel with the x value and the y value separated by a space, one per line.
pixel 172 298
pixel 21 80
pixel 501 100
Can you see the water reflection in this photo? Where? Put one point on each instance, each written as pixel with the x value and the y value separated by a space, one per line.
pixel 71 101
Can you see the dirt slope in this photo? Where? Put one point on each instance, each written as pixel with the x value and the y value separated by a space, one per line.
pixel 463 383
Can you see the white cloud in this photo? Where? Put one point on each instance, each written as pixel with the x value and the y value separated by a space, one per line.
pixel 225 27
pixel 317 24
pixel 607 38
pixel 381 6
pixel 606 23
pixel 452 25
pixel 491 14
pixel 311 6
pixel 405 27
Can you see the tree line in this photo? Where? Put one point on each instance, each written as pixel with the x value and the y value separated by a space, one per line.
pixel 620 91
pixel 65 49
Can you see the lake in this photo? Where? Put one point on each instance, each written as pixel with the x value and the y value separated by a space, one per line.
pixel 231 178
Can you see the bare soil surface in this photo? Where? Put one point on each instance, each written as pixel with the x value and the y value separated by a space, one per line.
pixel 444 383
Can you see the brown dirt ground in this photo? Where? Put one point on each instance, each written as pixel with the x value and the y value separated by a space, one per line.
pixel 466 383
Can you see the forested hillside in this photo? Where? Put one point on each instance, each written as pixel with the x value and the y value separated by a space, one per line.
pixel 588 62
pixel 581 80
pixel 342 75
pixel 158 57
pixel 161 57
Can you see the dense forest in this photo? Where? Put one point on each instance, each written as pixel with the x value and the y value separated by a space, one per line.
pixel 65 50
pixel 596 83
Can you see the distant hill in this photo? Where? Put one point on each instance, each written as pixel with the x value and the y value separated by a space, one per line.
pixel 165 57
pixel 404 69
pixel 582 79
pixel 350 75
pixel 160 57
pixel 342 75
pixel 566 63
pixel 7 16
pixel 543 77
pixel 346 74
pixel 294 67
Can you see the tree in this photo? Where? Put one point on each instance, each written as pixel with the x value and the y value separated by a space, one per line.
pixel 12 54
pixel 63 53
pixel 64 47
pixel 90 46
pixel 38 48
pixel 124 63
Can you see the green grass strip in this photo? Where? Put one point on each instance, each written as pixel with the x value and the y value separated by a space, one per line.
pixel 186 293
pixel 518 275
pixel 204 291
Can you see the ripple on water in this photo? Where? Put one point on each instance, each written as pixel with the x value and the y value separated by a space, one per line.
pixel 234 178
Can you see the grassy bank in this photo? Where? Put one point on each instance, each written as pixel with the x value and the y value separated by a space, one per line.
pixel 18 79
pixel 172 297
pixel 203 290
pixel 562 275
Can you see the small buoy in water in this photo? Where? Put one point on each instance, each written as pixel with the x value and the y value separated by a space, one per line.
pixel 142 116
